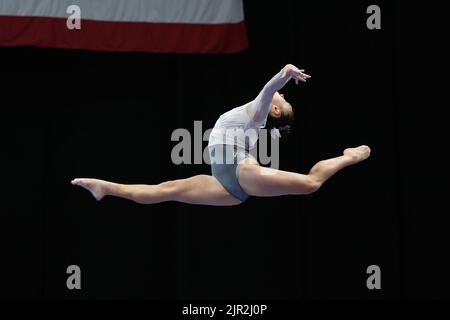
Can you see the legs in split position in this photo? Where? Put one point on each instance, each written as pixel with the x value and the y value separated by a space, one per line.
pixel 207 190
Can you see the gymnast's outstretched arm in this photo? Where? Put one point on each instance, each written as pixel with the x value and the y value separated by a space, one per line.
pixel 259 109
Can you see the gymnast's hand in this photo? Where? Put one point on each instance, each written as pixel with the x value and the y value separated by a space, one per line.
pixel 295 73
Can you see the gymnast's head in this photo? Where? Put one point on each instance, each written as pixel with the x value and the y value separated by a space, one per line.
pixel 281 114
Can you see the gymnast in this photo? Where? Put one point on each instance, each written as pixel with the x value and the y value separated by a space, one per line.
pixel 240 176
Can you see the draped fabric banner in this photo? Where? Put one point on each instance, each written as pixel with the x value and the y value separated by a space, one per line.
pixel 167 26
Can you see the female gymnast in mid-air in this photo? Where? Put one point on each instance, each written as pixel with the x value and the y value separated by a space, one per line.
pixel 232 182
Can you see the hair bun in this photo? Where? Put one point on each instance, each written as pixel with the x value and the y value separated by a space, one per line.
pixel 285 130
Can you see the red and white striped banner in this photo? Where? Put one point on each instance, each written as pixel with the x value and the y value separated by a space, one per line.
pixel 171 26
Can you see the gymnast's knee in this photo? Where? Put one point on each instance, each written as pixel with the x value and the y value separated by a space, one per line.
pixel 170 189
pixel 310 185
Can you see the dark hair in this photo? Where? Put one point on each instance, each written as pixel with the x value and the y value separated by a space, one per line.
pixel 283 123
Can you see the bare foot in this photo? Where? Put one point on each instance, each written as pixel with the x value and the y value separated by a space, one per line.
pixel 357 154
pixel 95 186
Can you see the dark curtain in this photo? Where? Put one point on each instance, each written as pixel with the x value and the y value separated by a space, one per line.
pixel 69 114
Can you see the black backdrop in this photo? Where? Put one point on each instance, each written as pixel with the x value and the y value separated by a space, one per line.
pixel 69 114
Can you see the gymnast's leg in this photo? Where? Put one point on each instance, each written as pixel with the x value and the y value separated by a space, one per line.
pixel 267 182
pixel 200 189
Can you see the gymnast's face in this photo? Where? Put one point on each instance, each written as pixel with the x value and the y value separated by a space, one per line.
pixel 280 106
